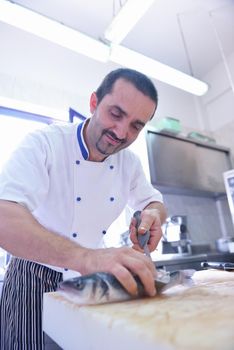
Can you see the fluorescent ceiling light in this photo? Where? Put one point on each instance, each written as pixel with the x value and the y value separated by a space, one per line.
pixel 71 39
pixel 53 31
pixel 157 70
pixel 126 18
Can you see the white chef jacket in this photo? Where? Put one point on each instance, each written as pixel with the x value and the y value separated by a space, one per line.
pixel 50 174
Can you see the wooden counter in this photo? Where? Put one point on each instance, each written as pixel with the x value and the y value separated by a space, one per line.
pixel 184 318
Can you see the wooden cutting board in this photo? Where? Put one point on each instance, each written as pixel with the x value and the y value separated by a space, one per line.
pixel 200 316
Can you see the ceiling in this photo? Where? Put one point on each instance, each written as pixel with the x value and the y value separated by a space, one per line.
pixel 189 35
pixel 180 33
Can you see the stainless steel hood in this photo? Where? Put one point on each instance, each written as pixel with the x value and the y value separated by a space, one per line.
pixel 180 165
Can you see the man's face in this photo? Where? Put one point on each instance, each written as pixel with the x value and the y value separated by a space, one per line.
pixel 117 120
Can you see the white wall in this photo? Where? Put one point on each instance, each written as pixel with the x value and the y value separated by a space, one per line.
pixel 218 104
pixel 219 101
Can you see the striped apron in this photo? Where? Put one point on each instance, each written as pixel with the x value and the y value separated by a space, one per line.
pixel 21 304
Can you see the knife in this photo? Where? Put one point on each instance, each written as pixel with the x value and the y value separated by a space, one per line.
pixel 143 239
pixel 227 266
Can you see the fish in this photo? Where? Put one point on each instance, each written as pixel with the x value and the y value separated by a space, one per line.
pixel 102 287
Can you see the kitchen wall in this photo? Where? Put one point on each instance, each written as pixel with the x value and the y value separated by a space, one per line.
pixel 218 104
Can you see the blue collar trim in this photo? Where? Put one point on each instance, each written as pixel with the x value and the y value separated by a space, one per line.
pixel 81 142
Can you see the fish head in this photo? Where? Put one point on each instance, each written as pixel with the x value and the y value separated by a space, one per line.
pixel 96 288
pixel 85 290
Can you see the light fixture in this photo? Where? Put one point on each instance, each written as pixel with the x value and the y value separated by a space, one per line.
pixel 71 39
pixel 154 69
pixel 126 18
pixel 53 31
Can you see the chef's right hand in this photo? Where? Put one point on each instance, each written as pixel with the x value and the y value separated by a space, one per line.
pixel 122 263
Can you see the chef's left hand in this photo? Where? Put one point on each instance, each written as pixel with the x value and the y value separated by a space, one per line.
pixel 150 221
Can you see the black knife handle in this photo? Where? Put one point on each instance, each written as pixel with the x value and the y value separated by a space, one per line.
pixel 142 238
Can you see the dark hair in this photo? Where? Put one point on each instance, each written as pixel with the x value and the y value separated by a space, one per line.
pixel 139 80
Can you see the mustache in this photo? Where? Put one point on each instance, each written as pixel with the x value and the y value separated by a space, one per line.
pixel 113 136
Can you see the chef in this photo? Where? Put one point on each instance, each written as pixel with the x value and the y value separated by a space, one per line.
pixel 59 193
